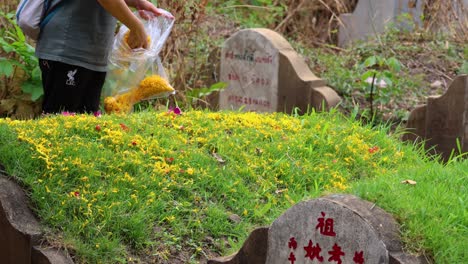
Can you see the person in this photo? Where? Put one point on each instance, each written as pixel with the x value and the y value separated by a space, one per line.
pixel 73 48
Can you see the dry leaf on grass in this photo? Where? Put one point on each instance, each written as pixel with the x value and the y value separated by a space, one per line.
pixel 218 158
pixel 410 182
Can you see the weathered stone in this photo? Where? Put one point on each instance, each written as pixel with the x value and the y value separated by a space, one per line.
pixel 235 218
pixel 443 121
pixel 403 258
pixel 322 226
pixel 252 252
pixel 49 256
pixel 371 17
pixel 265 74
pixel 20 232
pixel 331 229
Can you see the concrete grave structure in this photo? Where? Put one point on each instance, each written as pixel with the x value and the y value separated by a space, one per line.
pixel 265 74
pixel 20 233
pixel 332 229
pixel 443 121
pixel 372 16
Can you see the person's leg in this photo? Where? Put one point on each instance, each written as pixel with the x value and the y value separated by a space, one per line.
pixel 92 91
pixel 70 88
pixel 61 90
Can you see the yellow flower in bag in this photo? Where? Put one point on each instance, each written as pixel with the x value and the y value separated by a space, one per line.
pixel 150 87
pixel 122 103
pixel 126 36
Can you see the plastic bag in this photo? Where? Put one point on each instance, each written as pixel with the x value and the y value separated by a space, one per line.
pixel 137 75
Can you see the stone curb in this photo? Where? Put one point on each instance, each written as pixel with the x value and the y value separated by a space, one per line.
pixel 20 232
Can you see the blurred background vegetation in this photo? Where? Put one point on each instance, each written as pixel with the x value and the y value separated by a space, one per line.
pixel 427 59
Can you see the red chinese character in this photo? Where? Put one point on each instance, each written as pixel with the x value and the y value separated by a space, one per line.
pixel 336 254
pixel 359 257
pixel 325 226
pixel 292 258
pixel 292 243
pixel 313 251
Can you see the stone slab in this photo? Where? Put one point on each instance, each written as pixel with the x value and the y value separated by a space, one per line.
pixel 332 229
pixel 42 255
pixel 265 74
pixel 443 121
pixel 20 232
pixel 253 251
pixel 19 229
pixel 371 17
pixel 327 231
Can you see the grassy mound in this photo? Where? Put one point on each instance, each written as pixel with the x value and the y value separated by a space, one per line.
pixel 159 186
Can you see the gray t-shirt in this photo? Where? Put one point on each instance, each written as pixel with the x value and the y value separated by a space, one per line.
pixel 79 32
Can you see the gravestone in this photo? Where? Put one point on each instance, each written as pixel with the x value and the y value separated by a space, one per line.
pixel 331 229
pixel 265 74
pixel 443 121
pixel 323 230
pixel 21 238
pixel 371 17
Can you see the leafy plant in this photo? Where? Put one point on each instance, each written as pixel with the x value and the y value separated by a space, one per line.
pixel 21 55
pixel 198 94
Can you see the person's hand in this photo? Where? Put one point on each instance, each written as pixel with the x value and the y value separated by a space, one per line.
pixel 144 5
pixel 137 38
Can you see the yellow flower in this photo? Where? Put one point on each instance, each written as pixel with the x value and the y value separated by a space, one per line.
pixel 126 36
pixel 151 86
pixel 122 103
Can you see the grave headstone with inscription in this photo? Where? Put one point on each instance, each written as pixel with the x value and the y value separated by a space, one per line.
pixel 372 16
pixel 265 74
pixel 443 122
pixel 331 229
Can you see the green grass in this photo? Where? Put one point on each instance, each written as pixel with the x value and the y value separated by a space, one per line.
pixel 147 186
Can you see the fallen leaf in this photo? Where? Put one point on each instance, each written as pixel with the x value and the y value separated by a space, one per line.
pixel 218 158
pixel 410 182
pixel 235 218
pixel 259 151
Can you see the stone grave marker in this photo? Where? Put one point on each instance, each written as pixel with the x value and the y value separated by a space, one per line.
pixel 372 16
pixel 443 121
pixel 265 74
pixel 21 237
pixel 324 231
pixel 331 229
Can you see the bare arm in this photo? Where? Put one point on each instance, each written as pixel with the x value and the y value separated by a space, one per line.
pixel 120 10
pixel 144 5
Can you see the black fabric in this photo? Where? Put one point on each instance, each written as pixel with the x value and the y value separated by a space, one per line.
pixel 70 88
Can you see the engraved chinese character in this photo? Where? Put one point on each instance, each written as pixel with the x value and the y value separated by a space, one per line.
pixel 325 225
pixel 313 251
pixel 292 258
pixel 292 243
pixel 358 257
pixel 335 254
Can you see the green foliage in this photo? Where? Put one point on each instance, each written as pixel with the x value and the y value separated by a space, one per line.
pixel 201 93
pixel 258 13
pixel 433 213
pixel 124 187
pixel 21 54
pixel 382 72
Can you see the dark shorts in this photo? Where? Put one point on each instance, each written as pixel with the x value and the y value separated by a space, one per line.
pixel 70 88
